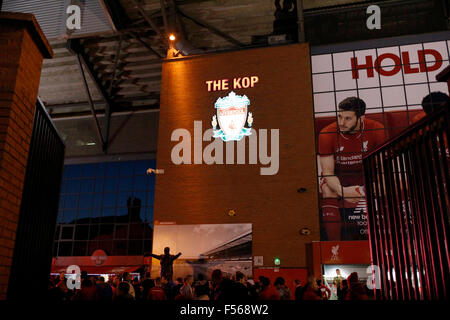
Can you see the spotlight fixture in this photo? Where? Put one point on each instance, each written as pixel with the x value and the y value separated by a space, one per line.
pixel 185 48
pixel 172 37
pixel 155 171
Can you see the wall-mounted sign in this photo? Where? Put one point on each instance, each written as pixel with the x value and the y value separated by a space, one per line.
pixel 232 114
pixel 99 257
pixel 258 261
pixel 235 83
pixel 232 122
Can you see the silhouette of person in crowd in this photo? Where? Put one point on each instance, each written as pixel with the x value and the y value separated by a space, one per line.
pixel 166 261
pixel 434 101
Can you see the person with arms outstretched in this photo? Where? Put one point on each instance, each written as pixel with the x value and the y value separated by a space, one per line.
pixel 166 261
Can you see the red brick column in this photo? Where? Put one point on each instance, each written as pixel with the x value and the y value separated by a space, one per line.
pixel 22 49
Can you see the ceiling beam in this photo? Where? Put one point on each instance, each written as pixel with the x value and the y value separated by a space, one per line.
pixel 101 113
pixel 73 104
pixel 121 102
pixel 214 30
pixel 177 19
pixel 117 13
pixel 152 24
pixel 164 15
pixel 116 62
pixel 145 44
pixel 91 102
pixel 75 46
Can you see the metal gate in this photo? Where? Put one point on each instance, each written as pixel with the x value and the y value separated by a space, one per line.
pixel 32 257
pixel 407 182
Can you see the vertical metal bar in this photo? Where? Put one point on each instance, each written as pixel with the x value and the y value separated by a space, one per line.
pixel 439 205
pixel 172 17
pixel 398 220
pixel 105 145
pixel 301 22
pixel 381 230
pixel 383 218
pixel 414 199
pixel 164 15
pixel 409 236
pixel 421 218
pixel 401 221
pixel 368 165
pixel 428 186
pixel 175 20
pixel 444 147
pixel 420 213
pixel 91 102
pixel 443 217
pixel 391 221
pixel 390 226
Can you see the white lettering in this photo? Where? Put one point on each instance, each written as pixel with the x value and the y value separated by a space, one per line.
pixel 74 278
pixel 274 156
pixel 74 20
pixel 184 147
pixel 374 21
pixel 216 146
pixel 213 152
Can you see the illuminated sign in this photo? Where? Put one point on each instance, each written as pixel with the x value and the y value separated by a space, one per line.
pixel 228 125
pixel 236 83
pixel 99 257
pixel 232 116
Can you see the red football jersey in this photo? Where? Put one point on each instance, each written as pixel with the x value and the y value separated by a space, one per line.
pixel 348 149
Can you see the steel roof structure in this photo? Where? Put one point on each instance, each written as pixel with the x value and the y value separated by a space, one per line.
pixel 113 68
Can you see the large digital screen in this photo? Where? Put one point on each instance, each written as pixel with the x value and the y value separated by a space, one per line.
pixel 204 248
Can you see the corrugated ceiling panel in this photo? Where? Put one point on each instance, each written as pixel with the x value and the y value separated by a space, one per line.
pixel 49 14
pixel 93 19
pixel 52 16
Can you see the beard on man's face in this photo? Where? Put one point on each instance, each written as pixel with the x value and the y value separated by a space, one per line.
pixel 349 129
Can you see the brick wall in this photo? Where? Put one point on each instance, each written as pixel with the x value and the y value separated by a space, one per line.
pixel 22 48
pixel 200 193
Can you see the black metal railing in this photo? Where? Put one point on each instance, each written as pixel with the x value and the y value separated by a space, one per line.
pixel 407 183
pixel 32 256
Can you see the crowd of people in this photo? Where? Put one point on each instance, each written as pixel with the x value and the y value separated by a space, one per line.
pixel 221 287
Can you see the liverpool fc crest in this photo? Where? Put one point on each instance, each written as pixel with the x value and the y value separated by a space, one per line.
pixel 232 114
